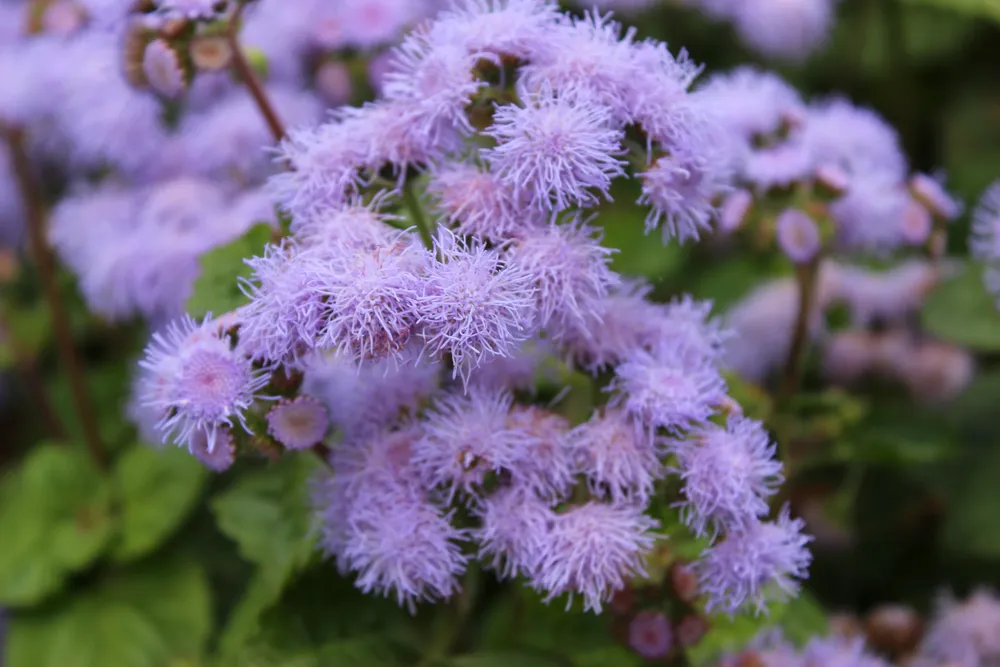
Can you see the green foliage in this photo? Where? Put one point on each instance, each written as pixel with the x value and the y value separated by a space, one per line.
pixel 961 311
pixel 217 289
pixel 157 614
pixel 989 9
pixel 157 489
pixel 507 658
pixel 266 514
pixel 55 519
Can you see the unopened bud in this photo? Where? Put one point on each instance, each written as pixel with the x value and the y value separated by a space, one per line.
pixel 173 28
pixel 62 17
pixel 916 224
pixel 933 195
pixel 333 81
pixel 163 69
pixel 735 210
pixel 684 582
pixel 893 628
pixel 649 634
pixel 844 625
pixel 622 601
pixel 210 53
pixel 690 630
pixel 831 180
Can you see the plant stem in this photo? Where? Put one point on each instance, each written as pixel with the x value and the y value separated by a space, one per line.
pixel 34 206
pixel 417 212
pixel 805 275
pixel 35 387
pixel 249 77
pixel 458 612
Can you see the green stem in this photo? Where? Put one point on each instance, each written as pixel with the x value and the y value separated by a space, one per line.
pixel 249 77
pixel 806 277
pixel 449 633
pixel 417 213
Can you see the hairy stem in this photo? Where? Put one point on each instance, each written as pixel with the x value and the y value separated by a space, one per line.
pixel 805 275
pixel 249 77
pixel 34 206
pixel 417 213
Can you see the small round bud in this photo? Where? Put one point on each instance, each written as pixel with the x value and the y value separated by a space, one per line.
pixel 893 628
pixel 831 180
pixel 649 634
pixel 932 194
pixel 849 355
pixel 173 28
pixel 333 81
pixel 844 625
pixel 684 582
pixel 917 223
pixel 798 236
pixel 210 53
pixel 622 601
pixel 163 69
pixel 299 423
pixel 690 630
pixel 63 18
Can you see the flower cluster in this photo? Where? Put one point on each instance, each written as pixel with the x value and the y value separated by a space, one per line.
pixel 442 255
pixel 770 649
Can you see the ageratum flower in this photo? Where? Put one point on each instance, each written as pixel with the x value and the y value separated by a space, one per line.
pixel 798 235
pixel 617 456
pixel 299 423
pixel 162 67
pixel 593 550
pixel 197 383
pixel 729 473
pixel 555 151
pixel 474 304
pixel 478 203
pixel 512 28
pixel 985 240
pixel 514 531
pixel 546 464
pixel 749 564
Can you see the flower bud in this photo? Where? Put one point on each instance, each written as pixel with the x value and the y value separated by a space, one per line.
pixel 210 53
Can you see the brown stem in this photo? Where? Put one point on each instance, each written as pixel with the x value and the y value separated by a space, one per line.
pixel 34 205
pixel 33 384
pixel 805 275
pixel 249 77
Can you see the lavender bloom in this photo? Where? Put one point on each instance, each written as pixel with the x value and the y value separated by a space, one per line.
pixel 617 456
pixel 286 312
pixel 399 543
pixel 474 305
pixel 518 371
pixel 216 451
pixel 594 550
pixel 985 241
pixel 917 223
pixel 681 190
pixel 729 473
pixel 514 532
pixel 371 300
pixel 734 210
pixel 749 564
pixel 856 139
pixel 189 9
pixel 555 151
pixel 299 423
pixel 657 97
pixel 798 235
pixel 546 465
pixel 780 29
pixel 466 437
pixel 570 270
pixel 480 204
pixel 649 634
pixel 197 382
pixel 365 24
pixel 355 225
pixel 750 103
pixel 869 215
pixel 930 191
pixel 670 391
pixel 779 165
pixel 360 399
pixel 965 632
pixel 162 68
pixel 513 28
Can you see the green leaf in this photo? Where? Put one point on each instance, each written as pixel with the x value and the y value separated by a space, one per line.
pixel 154 615
pixel 799 619
pixel 988 9
pixel 157 489
pixel 266 514
pixel 961 311
pixel 973 507
pixel 217 289
pixel 55 519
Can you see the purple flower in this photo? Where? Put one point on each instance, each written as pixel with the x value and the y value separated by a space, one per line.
pixel 570 270
pixel 513 28
pixel 917 223
pixel 197 382
pixel 742 569
pixel 189 9
pixel 286 312
pixel 778 165
pixel 546 463
pixel 475 305
pixel 963 632
pixel 985 240
pixel 687 324
pixel 650 635
pixel 656 93
pixel 751 103
pixel 352 225
pixel 397 542
pixel 478 203
pixel 625 317
pixel 371 299
pixel 554 151
pixel 729 473
pixel 853 138
pixel 162 68
pixel 365 24
pixel 835 650
pixel 514 532
pixel 734 210
pixel 682 190
pixel 518 371
pixel 588 61
pixel 299 423
pixel 466 437
pixel 594 550
pixel 869 216
pixel 617 456
pixel 798 235
pixel 780 29
pixel 433 80
pixel 360 398
pixel 662 390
